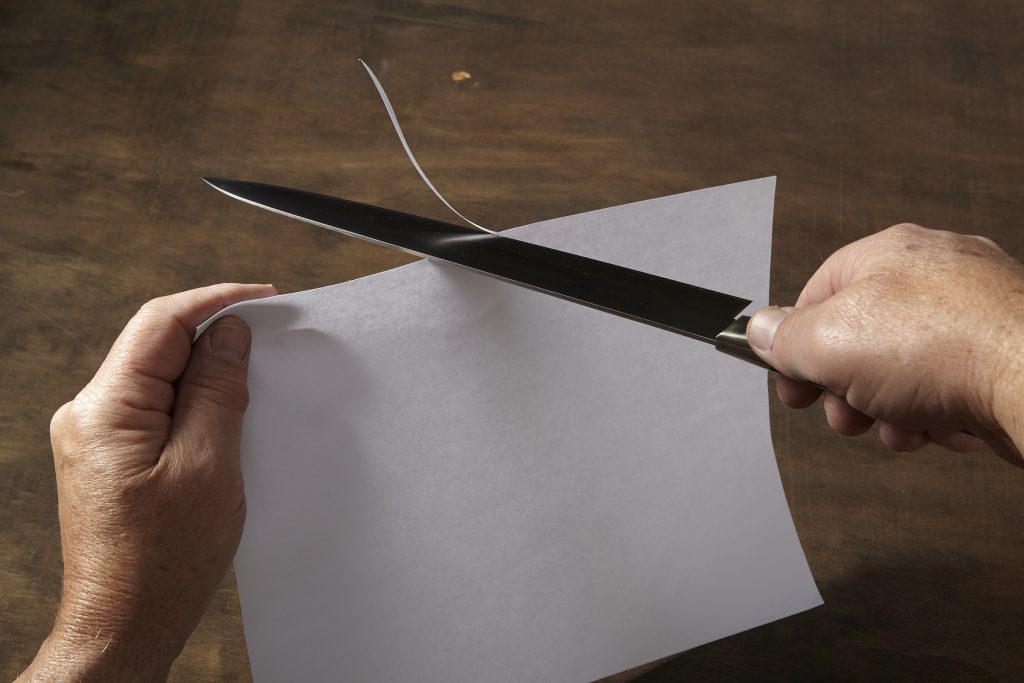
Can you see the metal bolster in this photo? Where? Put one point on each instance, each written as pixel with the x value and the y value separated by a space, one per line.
pixel 733 341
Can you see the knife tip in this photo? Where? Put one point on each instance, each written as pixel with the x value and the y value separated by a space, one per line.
pixel 225 185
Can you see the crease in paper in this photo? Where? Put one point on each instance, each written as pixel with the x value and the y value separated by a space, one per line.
pixel 454 479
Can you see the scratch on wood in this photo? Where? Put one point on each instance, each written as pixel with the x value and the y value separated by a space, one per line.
pixel 47 317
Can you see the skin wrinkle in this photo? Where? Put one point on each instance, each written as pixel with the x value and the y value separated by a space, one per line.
pixel 118 404
pixel 216 393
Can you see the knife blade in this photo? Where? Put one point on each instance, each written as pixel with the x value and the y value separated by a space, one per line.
pixel 689 310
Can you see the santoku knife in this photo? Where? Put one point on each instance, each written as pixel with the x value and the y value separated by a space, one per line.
pixel 692 311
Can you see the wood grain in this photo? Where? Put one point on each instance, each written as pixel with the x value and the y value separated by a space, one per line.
pixel 870 113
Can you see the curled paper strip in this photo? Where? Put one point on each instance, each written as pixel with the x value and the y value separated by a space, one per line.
pixel 405 145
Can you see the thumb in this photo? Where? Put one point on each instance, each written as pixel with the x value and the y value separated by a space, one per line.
pixel 788 339
pixel 212 392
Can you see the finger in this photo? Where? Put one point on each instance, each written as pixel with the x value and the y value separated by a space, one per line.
pixel 901 440
pixel 959 442
pixel 796 394
pixel 844 418
pixel 795 342
pixel 213 395
pixel 1004 447
pixel 999 442
pixel 154 347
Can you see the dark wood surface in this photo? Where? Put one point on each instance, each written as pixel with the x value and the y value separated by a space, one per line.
pixel 869 113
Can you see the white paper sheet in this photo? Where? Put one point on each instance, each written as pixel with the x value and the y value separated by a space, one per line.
pixel 454 479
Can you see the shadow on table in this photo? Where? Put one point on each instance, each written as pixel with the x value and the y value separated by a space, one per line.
pixel 882 624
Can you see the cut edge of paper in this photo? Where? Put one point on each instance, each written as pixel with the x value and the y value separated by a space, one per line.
pixel 408 151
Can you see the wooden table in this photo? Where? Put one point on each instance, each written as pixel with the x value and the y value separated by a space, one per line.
pixel 869 113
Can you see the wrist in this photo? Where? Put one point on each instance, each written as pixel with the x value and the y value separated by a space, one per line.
pixel 73 656
pixel 84 647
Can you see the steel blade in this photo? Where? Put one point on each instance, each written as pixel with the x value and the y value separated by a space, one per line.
pixel 686 309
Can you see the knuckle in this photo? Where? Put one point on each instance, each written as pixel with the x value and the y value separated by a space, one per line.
pixel 60 418
pixel 154 307
pixel 907 230
pixel 152 317
pixel 986 242
pixel 906 236
pixel 61 427
pixel 75 418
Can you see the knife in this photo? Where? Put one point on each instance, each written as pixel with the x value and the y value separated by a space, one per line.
pixel 685 309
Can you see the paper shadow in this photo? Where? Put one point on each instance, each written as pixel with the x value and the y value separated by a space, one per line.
pixel 955 622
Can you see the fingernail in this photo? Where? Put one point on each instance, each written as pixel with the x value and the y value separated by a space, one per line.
pixel 761 328
pixel 230 340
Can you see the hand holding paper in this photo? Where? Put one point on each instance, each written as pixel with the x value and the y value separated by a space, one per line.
pixel 149 487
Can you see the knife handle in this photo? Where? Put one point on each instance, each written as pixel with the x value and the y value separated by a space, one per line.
pixel 733 341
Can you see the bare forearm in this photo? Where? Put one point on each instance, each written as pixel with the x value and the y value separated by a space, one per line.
pixel 65 656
